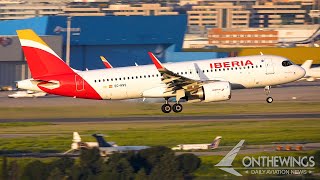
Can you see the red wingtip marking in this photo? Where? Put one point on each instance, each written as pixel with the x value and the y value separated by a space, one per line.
pixel 155 61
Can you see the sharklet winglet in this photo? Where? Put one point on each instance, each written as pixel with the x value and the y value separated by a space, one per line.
pixel 155 61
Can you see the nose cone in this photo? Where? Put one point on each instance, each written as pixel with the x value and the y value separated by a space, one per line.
pixel 300 72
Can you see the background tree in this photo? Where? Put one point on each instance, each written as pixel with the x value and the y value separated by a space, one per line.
pixel 141 175
pixel 90 165
pixel 120 169
pixel 90 159
pixel 188 163
pixel 151 156
pixel 64 164
pixel 4 168
pixel 13 170
pixel 166 168
pixel 35 170
pixel 56 174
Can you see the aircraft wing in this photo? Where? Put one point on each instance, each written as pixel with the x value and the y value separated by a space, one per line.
pixel 175 81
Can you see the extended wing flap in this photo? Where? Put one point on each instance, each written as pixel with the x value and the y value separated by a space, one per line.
pixel 172 80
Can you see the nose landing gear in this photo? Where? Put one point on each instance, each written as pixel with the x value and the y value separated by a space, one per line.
pixel 267 91
pixel 269 99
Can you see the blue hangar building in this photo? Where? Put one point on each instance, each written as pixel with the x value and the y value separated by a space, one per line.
pixel 123 40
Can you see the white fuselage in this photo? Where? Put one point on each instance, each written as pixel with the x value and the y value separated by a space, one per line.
pixel 104 151
pixel 145 81
pixel 192 147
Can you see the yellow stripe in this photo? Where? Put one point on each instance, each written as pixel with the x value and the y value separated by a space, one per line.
pixel 29 34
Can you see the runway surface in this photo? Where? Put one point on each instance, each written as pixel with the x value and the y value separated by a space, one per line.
pixel 259 117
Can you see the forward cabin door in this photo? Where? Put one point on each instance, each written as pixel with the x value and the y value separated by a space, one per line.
pixel 269 66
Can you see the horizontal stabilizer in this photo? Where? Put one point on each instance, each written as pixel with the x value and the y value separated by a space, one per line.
pixel 46 84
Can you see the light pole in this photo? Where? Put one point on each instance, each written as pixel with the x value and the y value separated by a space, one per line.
pixel 68 40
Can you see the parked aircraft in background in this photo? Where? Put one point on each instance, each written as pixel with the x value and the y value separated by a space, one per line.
pixel 106 62
pixel 311 73
pixel 28 94
pixel 195 81
pixel 77 143
pixel 213 145
pixel 106 148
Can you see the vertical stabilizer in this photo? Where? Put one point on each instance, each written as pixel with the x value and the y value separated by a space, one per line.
pixel 42 60
pixel 76 137
pixel 307 64
pixel 101 141
pixel 216 142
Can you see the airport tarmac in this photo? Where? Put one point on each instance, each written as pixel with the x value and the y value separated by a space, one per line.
pixel 301 91
pixel 256 117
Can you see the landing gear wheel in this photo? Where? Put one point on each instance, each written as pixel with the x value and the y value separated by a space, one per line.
pixel 166 108
pixel 177 108
pixel 269 99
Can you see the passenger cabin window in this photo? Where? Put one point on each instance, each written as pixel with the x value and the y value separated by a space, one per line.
pixel 286 63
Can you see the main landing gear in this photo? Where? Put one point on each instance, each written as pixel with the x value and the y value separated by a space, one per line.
pixel 166 108
pixel 267 91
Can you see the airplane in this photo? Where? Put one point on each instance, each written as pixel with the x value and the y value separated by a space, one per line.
pixel 195 81
pixel 27 94
pixel 213 145
pixel 77 143
pixel 106 62
pixel 106 148
pixel 311 73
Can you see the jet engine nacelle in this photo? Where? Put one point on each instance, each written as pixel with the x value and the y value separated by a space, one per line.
pixel 213 91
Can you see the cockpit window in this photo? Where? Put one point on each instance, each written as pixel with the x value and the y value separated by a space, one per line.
pixel 287 63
